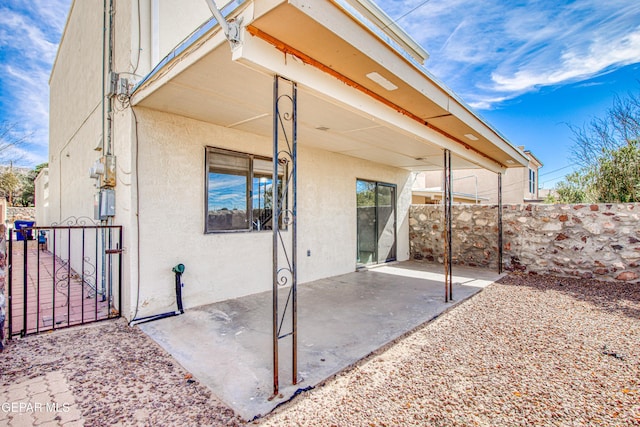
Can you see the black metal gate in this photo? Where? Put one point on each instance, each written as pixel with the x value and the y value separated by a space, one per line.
pixel 63 275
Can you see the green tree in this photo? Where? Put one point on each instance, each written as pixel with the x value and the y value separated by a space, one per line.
pixel 574 188
pixel 27 194
pixel 606 149
pixel 617 175
pixel 9 183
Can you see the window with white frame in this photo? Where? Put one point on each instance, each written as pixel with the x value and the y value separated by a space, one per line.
pixel 239 191
pixel 532 181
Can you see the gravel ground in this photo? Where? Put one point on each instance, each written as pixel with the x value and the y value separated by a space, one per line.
pixel 118 377
pixel 530 350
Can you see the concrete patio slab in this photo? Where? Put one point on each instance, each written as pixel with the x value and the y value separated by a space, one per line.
pixel 228 345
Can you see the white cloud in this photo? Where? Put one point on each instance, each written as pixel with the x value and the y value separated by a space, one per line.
pixel 27 87
pixel 491 51
pixel 573 65
pixel 24 156
pixel 487 103
pixel 29 34
pixel 20 31
pixel 53 12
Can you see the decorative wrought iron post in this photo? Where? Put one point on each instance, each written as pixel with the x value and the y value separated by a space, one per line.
pixel 284 210
pixel 25 280
pixel 448 270
pixel 500 223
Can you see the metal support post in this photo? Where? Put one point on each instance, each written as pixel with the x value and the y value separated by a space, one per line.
pixel 448 271
pixel 284 214
pixel 500 223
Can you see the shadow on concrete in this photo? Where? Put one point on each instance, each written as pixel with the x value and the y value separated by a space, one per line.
pixel 228 345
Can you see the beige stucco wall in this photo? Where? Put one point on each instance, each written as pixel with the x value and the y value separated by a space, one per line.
pixel 173 21
pixel 75 82
pixel 327 207
pixel 76 110
pixel 76 120
pixel 226 265
pixel 158 26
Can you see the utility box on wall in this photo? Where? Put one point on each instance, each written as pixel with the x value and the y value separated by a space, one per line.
pixel 108 179
pixel 105 204
pixel 104 170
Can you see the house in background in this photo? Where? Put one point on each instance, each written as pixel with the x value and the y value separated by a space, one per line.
pixel 176 116
pixel 545 193
pixel 3 212
pixel 41 188
pixel 519 185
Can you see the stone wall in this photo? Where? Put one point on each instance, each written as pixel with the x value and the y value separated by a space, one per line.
pixel 592 241
pixel 19 213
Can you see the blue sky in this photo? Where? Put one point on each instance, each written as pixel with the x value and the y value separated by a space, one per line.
pixel 29 35
pixel 529 67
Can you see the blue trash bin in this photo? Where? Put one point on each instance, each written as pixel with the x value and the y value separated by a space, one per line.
pixel 20 225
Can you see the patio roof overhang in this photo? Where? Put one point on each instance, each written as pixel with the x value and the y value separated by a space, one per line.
pixel 359 92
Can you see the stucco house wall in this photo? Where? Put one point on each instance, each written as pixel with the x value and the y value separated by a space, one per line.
pixel 225 265
pixel 76 108
pixel 41 189
pixel 175 21
pixel 75 120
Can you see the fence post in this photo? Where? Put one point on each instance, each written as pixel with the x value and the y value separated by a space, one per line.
pixel 4 301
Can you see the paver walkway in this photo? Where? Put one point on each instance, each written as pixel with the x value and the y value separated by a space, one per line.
pixel 41 401
pixel 112 373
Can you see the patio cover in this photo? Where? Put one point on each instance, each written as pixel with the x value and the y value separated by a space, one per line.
pixel 362 91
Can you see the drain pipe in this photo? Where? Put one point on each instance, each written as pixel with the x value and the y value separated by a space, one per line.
pixel 177 270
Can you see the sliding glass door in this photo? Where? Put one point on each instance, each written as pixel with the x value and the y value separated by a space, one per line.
pixel 376 222
pixel 386 222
